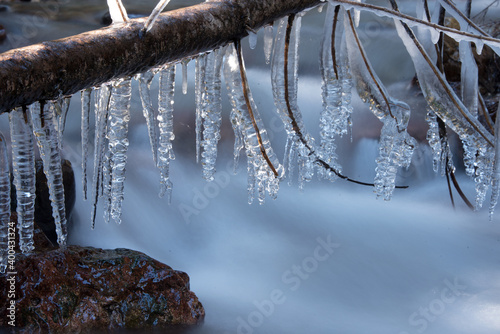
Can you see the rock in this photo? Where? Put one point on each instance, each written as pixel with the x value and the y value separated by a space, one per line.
pixel 85 290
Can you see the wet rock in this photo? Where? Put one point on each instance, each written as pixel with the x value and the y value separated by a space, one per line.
pixel 86 290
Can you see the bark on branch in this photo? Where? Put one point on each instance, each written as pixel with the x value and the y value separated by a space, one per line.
pixel 49 70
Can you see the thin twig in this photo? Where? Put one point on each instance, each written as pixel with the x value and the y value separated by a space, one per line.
pixel 295 126
pixel 244 83
pixel 334 53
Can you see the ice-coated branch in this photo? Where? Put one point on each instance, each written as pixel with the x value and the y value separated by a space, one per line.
pixel 48 70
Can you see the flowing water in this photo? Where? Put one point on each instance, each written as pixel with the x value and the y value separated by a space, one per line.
pixel 329 259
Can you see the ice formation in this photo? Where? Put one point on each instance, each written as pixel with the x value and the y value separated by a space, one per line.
pixel 336 86
pixel 166 126
pixel 284 79
pixel 4 204
pixel 148 111
pixel 23 168
pixel 264 169
pixel 211 112
pixel 119 117
pixel 85 127
pixel 44 125
pixel 396 145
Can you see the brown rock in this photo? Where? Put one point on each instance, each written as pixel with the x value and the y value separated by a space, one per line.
pixel 83 290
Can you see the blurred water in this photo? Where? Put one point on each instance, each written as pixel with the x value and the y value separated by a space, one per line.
pixel 331 259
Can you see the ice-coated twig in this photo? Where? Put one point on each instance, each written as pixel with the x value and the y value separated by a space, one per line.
pixel 284 79
pixel 119 117
pixel 154 15
pixel 100 143
pixel 477 38
pixel 335 117
pixel 43 118
pixel 478 142
pixel 264 169
pixel 166 126
pixel 4 204
pixel 23 168
pixel 211 113
pixel 148 111
pixel 85 126
pixel 117 11
pixel 396 145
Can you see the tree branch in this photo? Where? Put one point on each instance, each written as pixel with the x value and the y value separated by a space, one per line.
pixel 49 70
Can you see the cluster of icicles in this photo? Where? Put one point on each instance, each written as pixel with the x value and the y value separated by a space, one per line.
pixel 344 65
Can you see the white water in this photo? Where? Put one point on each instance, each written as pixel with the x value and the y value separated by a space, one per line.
pixel 393 260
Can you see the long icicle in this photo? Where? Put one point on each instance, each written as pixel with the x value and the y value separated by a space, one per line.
pixel 85 126
pixel 211 113
pixel 101 124
pixel 23 168
pixel 119 117
pixel 4 204
pixel 44 126
pixel 166 126
pixel 148 111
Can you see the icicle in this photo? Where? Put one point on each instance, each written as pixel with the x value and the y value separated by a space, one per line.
pixel 166 126
pixel 4 204
pixel 119 117
pixel 357 14
pixel 335 118
pixel 238 139
pixel 440 150
pixel 252 39
pixel 199 91
pixel 184 64
pixel 396 145
pixel 478 142
pixel 246 118
pixel 154 15
pixel 48 143
pixel 117 11
pixel 23 168
pixel 100 143
pixel 285 96
pixel 61 111
pixel 495 184
pixel 211 113
pixel 148 110
pixel 268 42
pixel 469 78
pixel 86 93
